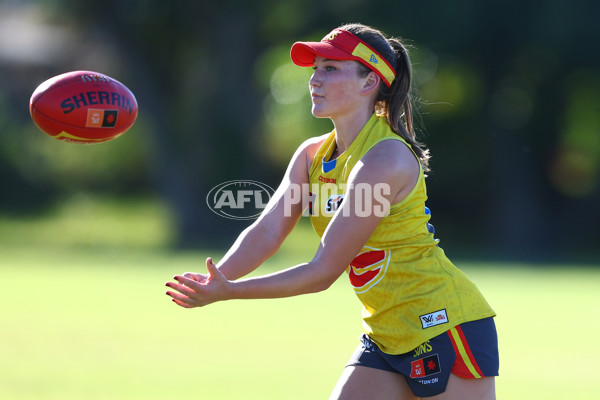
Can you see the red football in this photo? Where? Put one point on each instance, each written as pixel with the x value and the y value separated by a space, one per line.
pixel 83 107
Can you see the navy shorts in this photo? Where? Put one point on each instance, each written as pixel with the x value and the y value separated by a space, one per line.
pixel 469 350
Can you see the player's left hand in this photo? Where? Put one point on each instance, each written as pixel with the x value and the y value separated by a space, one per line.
pixel 190 293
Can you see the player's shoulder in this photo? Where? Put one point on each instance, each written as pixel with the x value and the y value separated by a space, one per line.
pixel 314 143
pixel 390 161
pixel 310 146
pixel 391 154
pixel 302 159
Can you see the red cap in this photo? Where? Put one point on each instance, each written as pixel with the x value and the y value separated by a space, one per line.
pixel 342 45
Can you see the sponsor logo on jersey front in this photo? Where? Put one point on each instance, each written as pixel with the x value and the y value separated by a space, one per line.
pixel 333 203
pixel 327 180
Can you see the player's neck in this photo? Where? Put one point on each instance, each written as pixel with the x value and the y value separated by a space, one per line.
pixel 348 127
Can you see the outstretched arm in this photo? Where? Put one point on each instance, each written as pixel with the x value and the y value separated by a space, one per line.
pixel 345 236
pixel 258 242
pixel 264 237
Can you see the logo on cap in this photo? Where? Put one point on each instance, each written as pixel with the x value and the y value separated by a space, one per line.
pixel 331 36
pixel 373 59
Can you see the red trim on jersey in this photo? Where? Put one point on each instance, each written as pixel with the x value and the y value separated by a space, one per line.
pixel 359 279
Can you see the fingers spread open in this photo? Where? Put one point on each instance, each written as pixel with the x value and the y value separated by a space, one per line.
pixel 187 282
pixel 189 292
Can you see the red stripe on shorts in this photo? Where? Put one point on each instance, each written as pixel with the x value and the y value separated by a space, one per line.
pixel 465 365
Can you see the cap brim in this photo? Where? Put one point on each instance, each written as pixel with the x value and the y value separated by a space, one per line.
pixel 303 53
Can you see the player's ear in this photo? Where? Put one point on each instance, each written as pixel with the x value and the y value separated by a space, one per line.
pixel 371 83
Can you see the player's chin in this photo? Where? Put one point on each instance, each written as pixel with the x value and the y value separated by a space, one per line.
pixel 319 111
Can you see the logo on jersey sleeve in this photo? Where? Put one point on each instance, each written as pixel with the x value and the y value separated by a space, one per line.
pixel 367 269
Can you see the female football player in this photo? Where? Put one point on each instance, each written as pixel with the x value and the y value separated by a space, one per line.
pixel 428 331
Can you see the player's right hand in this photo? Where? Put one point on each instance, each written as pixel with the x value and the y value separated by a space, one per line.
pixel 196 276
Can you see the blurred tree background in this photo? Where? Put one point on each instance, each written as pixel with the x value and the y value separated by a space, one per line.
pixel 509 106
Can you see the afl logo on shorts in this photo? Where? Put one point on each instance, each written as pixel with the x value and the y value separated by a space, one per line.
pixel 367 269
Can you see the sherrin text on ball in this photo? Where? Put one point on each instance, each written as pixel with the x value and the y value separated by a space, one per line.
pixel 83 107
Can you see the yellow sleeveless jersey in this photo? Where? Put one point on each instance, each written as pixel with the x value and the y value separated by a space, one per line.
pixel 411 292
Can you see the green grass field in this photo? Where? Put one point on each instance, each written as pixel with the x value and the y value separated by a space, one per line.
pixel 87 318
